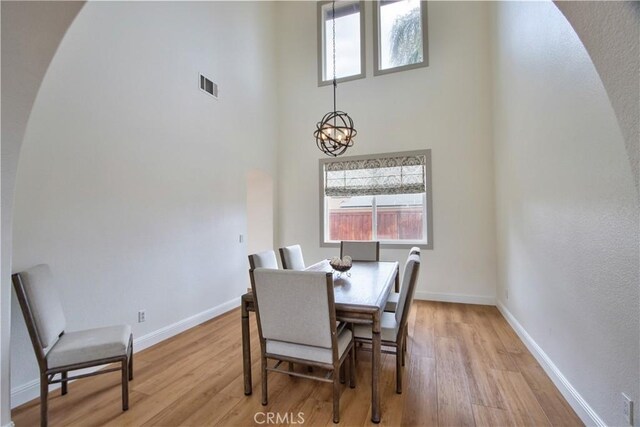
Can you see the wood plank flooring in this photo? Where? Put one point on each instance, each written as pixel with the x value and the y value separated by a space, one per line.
pixel 465 366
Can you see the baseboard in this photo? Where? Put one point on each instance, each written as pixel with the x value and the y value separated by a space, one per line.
pixel 464 299
pixel 11 424
pixel 31 390
pixel 162 334
pixel 577 402
pixel 26 392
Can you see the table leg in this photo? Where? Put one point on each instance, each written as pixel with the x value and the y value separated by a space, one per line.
pixel 246 348
pixel 397 282
pixel 375 369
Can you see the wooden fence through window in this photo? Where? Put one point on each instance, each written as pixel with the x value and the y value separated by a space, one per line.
pixel 393 224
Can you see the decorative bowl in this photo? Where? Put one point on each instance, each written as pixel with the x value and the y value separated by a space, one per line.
pixel 341 265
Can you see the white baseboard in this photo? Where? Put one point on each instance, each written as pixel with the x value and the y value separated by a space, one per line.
pixel 577 402
pixel 464 299
pixel 11 424
pixel 162 334
pixel 26 392
pixel 31 390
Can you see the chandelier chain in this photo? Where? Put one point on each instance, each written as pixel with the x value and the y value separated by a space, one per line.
pixel 335 132
pixel 335 84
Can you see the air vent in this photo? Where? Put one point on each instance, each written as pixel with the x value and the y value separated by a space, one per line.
pixel 208 86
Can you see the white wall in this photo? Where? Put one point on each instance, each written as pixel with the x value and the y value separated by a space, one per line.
pixel 610 31
pixel 122 187
pixel 26 54
pixel 567 210
pixel 260 204
pixel 591 331
pixel 445 107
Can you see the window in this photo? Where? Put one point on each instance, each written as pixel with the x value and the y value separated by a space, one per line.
pixel 349 21
pixel 400 35
pixel 385 197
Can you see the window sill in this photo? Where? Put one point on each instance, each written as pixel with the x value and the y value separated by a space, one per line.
pixel 381 72
pixel 385 245
pixel 341 79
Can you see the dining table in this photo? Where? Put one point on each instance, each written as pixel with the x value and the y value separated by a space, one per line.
pixel 360 296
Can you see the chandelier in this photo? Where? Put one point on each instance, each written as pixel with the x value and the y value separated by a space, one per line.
pixel 335 132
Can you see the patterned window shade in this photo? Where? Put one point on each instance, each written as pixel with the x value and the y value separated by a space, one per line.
pixel 385 175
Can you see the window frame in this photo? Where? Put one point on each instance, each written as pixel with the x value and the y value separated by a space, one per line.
pixel 376 42
pixel 386 244
pixel 321 46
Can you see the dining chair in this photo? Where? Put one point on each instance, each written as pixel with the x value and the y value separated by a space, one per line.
pixel 393 326
pixel 392 299
pixel 59 351
pixel 297 323
pixel 266 259
pixel 360 250
pixel 291 257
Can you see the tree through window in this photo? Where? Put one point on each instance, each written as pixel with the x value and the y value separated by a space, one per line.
pixel 400 30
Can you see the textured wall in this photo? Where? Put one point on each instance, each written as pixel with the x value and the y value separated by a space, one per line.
pixel 567 210
pixel 30 35
pixel 120 184
pixel 26 54
pixel 610 31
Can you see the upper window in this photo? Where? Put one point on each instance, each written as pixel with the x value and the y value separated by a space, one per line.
pixel 400 35
pixel 385 197
pixel 349 41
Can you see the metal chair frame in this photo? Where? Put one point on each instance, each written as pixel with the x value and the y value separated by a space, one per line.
pixel 334 374
pixel 48 375
pixel 400 343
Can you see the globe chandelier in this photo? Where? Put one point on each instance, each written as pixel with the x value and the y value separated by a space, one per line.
pixel 335 132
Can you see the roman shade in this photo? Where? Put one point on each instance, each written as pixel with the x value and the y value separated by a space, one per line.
pixel 375 176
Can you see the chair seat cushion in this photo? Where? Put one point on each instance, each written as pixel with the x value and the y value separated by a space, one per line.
pixel 392 302
pixel 89 345
pixel 308 352
pixel 388 328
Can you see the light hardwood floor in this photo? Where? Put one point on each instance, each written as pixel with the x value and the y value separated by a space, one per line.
pixel 465 367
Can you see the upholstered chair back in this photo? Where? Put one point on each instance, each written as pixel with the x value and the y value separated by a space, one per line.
pixel 266 259
pixel 59 352
pixel 45 308
pixel 291 257
pixel 294 306
pixel 407 290
pixel 414 251
pixel 360 250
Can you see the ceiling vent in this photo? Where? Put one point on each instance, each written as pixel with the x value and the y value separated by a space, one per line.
pixel 208 86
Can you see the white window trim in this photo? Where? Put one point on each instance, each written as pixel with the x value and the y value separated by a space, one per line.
pixel 387 244
pixel 321 48
pixel 376 42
